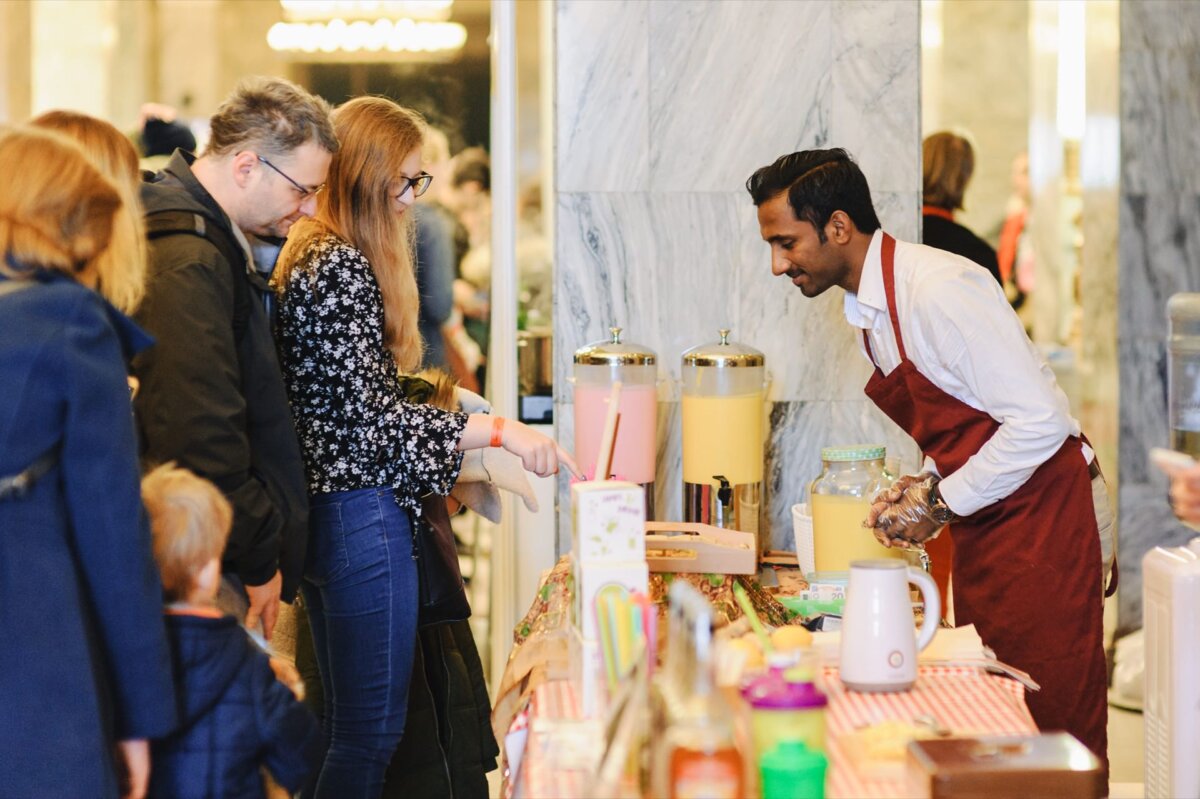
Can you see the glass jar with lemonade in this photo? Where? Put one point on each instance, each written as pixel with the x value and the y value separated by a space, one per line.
pixel 840 499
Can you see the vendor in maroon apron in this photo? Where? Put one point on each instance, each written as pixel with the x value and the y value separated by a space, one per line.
pixel 1026 567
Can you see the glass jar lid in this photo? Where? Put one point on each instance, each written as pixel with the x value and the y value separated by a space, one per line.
pixel 723 353
pixel 613 352
pixel 860 452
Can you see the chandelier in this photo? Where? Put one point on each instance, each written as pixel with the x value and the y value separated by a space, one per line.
pixel 359 28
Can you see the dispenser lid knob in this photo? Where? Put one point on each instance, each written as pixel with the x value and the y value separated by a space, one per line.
pixel 616 334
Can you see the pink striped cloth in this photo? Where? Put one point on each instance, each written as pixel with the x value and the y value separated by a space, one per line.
pixel 966 700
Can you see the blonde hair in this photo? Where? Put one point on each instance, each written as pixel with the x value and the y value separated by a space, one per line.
pixel 375 136
pixel 190 521
pixel 59 214
pixel 122 268
pixel 948 161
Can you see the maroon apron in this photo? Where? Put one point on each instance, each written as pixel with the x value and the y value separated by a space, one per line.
pixel 1027 568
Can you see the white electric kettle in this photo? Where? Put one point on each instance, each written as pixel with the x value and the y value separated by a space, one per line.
pixel 879 640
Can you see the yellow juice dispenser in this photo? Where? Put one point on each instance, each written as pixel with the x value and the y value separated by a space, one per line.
pixel 597 367
pixel 840 499
pixel 723 423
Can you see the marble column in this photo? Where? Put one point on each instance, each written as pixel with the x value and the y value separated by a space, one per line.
pixel 663 109
pixel 16 61
pixel 1159 255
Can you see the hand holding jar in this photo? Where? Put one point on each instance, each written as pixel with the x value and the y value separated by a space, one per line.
pixel 910 512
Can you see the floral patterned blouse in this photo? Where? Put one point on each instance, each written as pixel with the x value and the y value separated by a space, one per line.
pixel 356 428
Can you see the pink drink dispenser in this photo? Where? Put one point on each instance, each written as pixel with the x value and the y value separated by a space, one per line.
pixel 597 367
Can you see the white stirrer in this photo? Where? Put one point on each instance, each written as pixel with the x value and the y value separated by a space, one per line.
pixel 604 456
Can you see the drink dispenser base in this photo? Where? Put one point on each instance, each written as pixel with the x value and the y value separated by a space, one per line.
pixel 721 504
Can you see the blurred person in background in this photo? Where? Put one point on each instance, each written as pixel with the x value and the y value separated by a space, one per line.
pixel 948 162
pixel 348 313
pixel 472 201
pixel 212 397
pixel 1014 252
pixel 434 262
pixel 85 669
pixel 159 135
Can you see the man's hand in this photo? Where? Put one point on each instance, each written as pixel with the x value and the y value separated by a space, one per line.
pixel 905 519
pixel 1185 494
pixel 135 763
pixel 264 604
pixel 890 496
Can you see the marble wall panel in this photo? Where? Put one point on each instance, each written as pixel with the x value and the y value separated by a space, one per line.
pixel 1159 25
pixel 734 85
pixel 601 95
pixel 672 251
pixel 1160 141
pixel 876 99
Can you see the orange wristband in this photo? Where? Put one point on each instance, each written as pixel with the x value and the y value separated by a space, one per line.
pixel 497 432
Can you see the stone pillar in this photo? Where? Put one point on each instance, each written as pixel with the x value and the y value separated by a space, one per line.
pixel 984 90
pixel 663 110
pixel 16 61
pixel 1160 255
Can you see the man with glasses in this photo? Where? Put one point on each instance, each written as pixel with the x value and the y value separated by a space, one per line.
pixel 212 397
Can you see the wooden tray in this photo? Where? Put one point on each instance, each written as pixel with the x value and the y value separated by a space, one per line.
pixel 700 548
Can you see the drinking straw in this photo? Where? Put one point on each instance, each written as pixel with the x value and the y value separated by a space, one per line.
pixel 604 456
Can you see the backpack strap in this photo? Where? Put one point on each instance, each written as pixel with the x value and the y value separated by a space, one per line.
pixel 161 224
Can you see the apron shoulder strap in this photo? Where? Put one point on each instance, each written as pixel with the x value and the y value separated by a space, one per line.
pixel 888 257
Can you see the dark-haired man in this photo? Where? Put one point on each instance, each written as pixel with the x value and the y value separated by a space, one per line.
pixel 1006 464
pixel 212 396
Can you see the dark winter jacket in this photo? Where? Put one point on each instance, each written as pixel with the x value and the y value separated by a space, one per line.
pixel 84 658
pixel 235 718
pixel 448 745
pixel 212 396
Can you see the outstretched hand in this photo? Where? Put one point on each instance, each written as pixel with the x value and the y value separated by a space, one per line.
pixel 539 454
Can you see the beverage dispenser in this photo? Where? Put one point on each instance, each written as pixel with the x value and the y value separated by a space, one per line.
pixel 723 435
pixel 1184 373
pixel 597 367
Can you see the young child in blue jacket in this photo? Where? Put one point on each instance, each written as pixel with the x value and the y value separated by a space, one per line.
pixel 236 719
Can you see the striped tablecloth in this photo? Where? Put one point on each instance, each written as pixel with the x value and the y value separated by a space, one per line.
pixel 966 700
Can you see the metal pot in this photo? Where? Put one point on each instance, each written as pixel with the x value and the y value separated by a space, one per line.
pixel 535 362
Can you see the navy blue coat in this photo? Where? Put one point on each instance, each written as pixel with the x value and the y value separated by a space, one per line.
pixel 83 650
pixel 235 717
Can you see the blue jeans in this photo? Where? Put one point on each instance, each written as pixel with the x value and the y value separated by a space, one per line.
pixel 360 587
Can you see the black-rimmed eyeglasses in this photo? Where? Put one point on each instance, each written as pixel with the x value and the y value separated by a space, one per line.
pixel 419 185
pixel 305 192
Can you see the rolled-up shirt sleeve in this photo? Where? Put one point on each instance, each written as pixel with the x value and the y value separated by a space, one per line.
pixel 981 345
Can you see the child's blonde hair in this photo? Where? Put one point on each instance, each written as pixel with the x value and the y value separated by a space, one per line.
pixel 189 522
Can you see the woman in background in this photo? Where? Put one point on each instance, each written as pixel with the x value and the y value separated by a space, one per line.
pixel 948 162
pixel 84 666
pixel 121 269
pixel 348 311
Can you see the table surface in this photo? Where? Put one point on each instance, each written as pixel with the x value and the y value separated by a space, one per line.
pixel 966 700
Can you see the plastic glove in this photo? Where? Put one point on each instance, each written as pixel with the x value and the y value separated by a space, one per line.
pixel 889 496
pixel 906 521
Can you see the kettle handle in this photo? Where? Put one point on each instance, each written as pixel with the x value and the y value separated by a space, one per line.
pixel 933 605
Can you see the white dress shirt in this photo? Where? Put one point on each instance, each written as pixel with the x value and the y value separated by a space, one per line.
pixel 960 332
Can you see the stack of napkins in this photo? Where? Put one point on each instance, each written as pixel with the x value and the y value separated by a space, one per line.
pixel 952 646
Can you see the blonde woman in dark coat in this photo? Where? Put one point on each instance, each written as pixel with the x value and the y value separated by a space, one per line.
pixel 84 669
